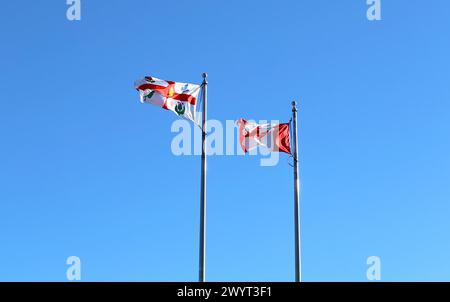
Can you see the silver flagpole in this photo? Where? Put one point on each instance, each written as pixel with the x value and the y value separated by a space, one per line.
pixel 202 247
pixel 298 257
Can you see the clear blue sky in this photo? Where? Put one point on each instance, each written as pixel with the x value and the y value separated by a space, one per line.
pixel 87 170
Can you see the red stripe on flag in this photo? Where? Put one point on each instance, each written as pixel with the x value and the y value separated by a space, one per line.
pixel 160 89
pixel 185 98
pixel 165 91
pixel 282 138
pixel 242 133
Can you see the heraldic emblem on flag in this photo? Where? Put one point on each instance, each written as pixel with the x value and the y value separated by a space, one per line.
pixel 181 98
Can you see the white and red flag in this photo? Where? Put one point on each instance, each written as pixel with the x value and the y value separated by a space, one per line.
pixel 180 98
pixel 273 136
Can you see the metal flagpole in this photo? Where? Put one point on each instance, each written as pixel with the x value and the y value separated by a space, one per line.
pixel 298 258
pixel 202 247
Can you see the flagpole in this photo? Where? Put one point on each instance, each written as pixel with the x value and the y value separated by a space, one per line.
pixel 202 247
pixel 298 258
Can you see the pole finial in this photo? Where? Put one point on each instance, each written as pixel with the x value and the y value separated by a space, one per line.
pixel 205 78
pixel 294 106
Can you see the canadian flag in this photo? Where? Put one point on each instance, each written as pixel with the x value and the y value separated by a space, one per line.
pixel 274 137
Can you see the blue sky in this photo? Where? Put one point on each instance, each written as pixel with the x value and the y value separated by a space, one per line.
pixel 87 170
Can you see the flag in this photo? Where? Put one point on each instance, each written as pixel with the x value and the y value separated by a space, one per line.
pixel 274 137
pixel 181 98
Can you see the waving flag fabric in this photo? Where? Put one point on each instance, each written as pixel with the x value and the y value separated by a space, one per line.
pixel 274 137
pixel 181 98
